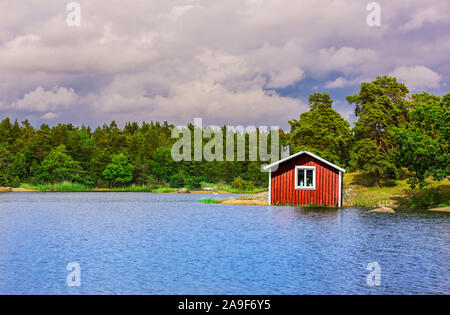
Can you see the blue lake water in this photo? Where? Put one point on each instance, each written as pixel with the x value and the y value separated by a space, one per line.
pixel 141 243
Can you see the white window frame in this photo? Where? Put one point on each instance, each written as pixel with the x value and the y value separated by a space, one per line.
pixel 313 168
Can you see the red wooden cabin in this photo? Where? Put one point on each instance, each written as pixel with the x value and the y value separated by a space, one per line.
pixel 305 179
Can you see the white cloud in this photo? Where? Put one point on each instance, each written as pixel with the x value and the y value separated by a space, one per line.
pixel 41 100
pixel 346 59
pixel 337 83
pixel 342 82
pixel 23 42
pixel 49 116
pixel 417 77
pixel 285 78
pixel 167 60
pixel 429 15
pixel 206 100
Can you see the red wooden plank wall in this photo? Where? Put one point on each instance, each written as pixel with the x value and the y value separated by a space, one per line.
pixel 283 184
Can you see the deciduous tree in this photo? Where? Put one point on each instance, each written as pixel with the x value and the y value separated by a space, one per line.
pixel 424 142
pixel 119 171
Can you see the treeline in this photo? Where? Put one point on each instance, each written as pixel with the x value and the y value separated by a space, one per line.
pixel 109 156
pixel 394 130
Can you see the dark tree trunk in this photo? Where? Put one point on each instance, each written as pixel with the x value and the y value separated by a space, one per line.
pixel 377 178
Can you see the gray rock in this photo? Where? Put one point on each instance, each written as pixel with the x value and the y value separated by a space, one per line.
pixel 262 196
pixel 349 194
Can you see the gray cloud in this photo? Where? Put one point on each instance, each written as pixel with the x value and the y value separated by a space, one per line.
pixel 220 60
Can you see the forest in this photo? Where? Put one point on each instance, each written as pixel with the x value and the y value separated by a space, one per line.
pixel 395 132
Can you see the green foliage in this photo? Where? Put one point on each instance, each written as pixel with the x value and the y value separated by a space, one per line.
pixel 162 166
pixel 58 167
pixel 60 187
pixel 429 197
pixel 209 201
pixel 424 142
pixel 381 107
pixel 151 180
pixel 15 182
pixel 4 167
pixel 193 182
pixel 242 185
pixel 238 183
pixel 19 166
pixel 322 131
pixel 177 180
pixel 147 147
pixel 119 171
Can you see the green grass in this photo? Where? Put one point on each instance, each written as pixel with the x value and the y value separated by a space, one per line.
pixel 229 189
pixel 395 193
pixel 63 187
pixel 209 201
pixel 133 188
pixel 73 187
pixel 165 190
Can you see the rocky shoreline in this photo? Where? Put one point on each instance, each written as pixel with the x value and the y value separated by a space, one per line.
pixel 201 191
pixel 262 199
pixel 258 199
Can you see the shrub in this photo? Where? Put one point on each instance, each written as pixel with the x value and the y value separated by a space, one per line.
pixel 430 197
pixel 193 182
pixel 15 183
pixel 248 185
pixel 238 183
pixel 3 180
pixel 177 180
pixel 243 185
pixel 57 167
pixel 119 171
pixel 152 180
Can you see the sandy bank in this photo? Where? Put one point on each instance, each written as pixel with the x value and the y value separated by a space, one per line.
pixel 259 199
pixel 210 192
pixel 237 202
pixel 443 209
pixel 9 189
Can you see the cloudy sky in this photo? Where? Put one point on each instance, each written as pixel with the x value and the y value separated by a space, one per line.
pixel 247 62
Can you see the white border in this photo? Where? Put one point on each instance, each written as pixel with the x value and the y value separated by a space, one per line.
pixel 270 188
pixel 340 189
pixel 301 167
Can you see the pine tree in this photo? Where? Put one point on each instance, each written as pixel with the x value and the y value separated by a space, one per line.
pixel 381 107
pixel 322 130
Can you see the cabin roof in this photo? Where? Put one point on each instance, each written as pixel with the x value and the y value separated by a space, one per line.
pixel 271 166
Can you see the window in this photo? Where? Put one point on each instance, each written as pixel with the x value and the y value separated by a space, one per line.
pixel 305 177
